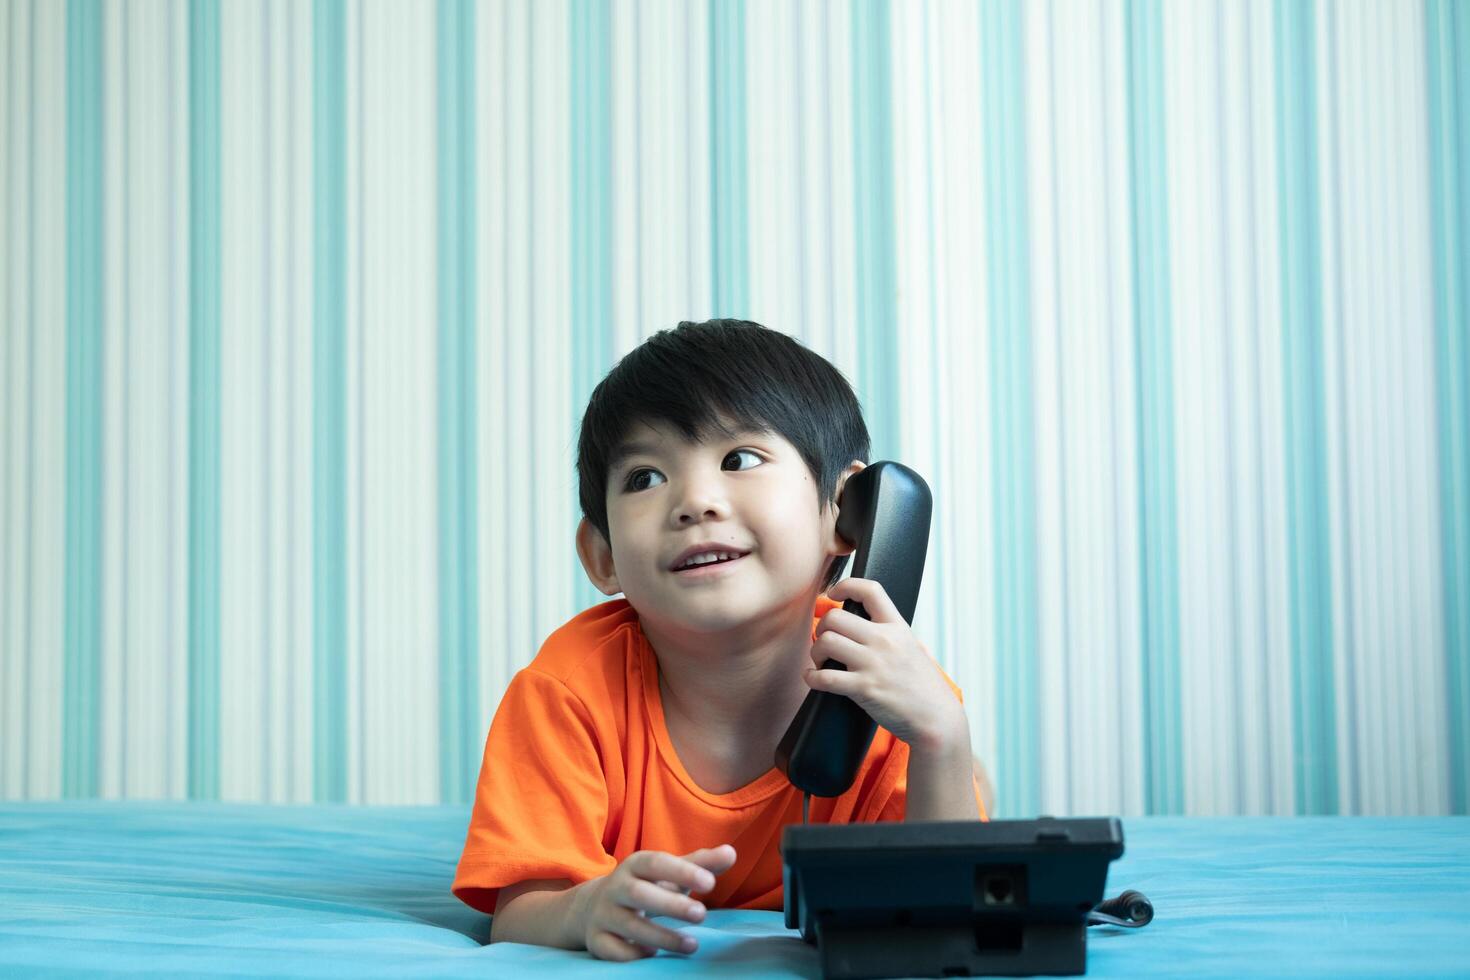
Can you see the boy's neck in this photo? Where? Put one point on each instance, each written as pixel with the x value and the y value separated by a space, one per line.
pixel 747 683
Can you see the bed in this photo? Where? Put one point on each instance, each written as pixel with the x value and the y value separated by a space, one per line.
pixel 209 889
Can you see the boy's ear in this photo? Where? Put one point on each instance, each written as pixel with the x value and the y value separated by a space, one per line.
pixel 836 543
pixel 596 555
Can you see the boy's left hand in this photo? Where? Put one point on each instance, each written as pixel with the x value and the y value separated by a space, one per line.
pixel 890 674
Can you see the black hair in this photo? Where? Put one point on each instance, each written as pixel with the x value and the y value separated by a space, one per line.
pixel 757 378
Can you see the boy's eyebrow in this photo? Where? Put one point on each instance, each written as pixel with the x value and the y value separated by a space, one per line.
pixel 627 449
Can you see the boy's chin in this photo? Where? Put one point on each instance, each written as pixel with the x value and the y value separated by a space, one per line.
pixel 723 611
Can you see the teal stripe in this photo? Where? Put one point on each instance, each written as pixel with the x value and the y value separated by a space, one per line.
pixel 1163 737
pixel 204 407
pixel 730 229
pixel 329 404
pixel 82 652
pixel 873 233
pixel 591 217
pixel 1309 567
pixel 1008 277
pixel 460 734
pixel 1446 41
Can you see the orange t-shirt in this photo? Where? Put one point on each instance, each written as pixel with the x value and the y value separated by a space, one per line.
pixel 579 773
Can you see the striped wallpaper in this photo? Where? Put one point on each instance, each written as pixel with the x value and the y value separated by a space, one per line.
pixel 302 304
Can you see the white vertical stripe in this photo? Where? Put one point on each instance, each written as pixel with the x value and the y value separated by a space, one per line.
pixel 48 405
pixel 1124 784
pixel 695 147
pixel 303 265
pixel 174 705
pixel 279 329
pixel 15 400
pixel 771 163
pixel 1362 317
pixel 1387 110
pixel 948 186
pixel 843 350
pixel 115 435
pixel 1372 316
pixel 813 203
pixel 150 411
pixel 553 428
pixel 418 637
pixel 963 635
pixel 651 70
pixel 1242 469
pixel 1199 435
pixel 1053 753
pixel 1426 609
pixel 362 29
pixel 1179 104
pixel 1084 427
pixel 241 606
pixel 518 330
pixel 399 319
pixel 1277 654
pixel 635 165
pixel 498 415
pixel 1351 276
pixel 359 342
pixel 912 267
pixel 1338 361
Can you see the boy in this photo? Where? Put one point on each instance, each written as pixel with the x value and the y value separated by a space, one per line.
pixel 630 765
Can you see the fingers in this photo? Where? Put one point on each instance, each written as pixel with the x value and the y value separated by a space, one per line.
pixel 843 649
pixel 871 594
pixel 647 897
pixel 653 883
pixel 687 873
pixel 626 935
pixel 844 682
pixel 716 860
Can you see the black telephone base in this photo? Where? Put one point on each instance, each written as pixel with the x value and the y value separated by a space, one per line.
pixel 948 898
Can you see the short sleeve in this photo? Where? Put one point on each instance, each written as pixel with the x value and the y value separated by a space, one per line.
pixel 541 801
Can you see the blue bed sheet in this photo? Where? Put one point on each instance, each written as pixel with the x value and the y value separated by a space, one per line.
pixel 211 889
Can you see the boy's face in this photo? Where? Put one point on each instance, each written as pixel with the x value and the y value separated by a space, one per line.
pixel 752 494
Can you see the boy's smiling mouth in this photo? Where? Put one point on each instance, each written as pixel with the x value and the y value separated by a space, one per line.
pixel 710 568
pixel 705 559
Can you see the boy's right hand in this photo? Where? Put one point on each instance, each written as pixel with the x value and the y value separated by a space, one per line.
pixel 615 910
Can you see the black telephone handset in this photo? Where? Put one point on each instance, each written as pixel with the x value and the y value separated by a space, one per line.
pixel 884 511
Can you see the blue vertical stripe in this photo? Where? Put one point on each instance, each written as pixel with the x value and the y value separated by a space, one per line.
pixel 876 271
pixel 591 213
pixel 1446 41
pixel 730 227
pixel 1309 567
pixel 460 729
pixel 1008 278
pixel 329 404
pixel 82 593
pixel 1163 765
pixel 204 406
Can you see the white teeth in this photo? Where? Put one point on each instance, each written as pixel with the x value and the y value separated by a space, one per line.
pixel 708 557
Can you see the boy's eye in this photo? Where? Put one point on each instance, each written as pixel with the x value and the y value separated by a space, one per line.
pixel 631 482
pixel 743 453
pixel 634 479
